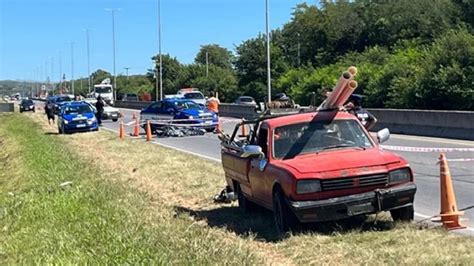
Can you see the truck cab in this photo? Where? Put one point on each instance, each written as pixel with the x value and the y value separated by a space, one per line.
pixel 316 166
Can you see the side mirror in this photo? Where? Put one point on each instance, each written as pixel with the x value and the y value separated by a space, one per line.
pixel 383 135
pixel 252 151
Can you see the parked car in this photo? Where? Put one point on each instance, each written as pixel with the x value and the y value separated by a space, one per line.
pixel 76 117
pixel 58 101
pixel 27 105
pixel 180 111
pixel 245 100
pixel 130 97
pixel 110 112
pixel 316 166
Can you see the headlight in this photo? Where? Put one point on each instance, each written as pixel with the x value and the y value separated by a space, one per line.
pixel 190 117
pixel 308 186
pixel 92 119
pixel 400 175
pixel 66 122
pixel 32 106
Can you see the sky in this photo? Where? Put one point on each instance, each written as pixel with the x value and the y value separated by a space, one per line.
pixel 36 34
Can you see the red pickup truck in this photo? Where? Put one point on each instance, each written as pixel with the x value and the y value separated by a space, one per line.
pixel 316 166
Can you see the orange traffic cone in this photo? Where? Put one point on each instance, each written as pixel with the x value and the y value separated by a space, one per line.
pixel 449 210
pixel 243 130
pixel 136 130
pixel 122 131
pixel 148 131
pixel 219 127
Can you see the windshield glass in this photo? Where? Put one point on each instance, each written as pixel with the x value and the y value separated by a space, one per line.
pixel 194 95
pixel 63 99
pixel 103 89
pixel 246 99
pixel 313 137
pixel 77 109
pixel 27 102
pixel 187 105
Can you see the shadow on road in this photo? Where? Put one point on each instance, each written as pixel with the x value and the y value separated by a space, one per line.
pixel 260 223
pixel 51 133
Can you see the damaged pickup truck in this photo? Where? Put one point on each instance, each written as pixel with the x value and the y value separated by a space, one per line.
pixel 316 166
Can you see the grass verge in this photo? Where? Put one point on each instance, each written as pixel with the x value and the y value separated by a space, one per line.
pixel 93 220
pixel 165 189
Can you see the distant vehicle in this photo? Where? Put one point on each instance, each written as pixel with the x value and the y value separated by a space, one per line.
pixel 193 94
pixel 246 100
pixel 58 101
pixel 171 109
pixel 110 112
pixel 130 97
pixel 76 117
pixel 27 105
pixel 105 90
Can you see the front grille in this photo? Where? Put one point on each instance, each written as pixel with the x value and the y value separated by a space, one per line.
pixel 354 182
pixel 77 122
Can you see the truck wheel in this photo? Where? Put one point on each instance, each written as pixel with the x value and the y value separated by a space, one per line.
pixel 244 204
pixel 405 214
pixel 284 218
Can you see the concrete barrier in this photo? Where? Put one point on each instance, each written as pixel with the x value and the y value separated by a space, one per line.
pixel 434 123
pixel 7 107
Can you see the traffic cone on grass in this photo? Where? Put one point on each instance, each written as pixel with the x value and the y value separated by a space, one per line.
pixel 122 130
pixel 136 130
pixel 148 131
pixel 449 210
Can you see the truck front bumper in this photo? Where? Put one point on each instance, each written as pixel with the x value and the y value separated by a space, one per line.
pixel 343 207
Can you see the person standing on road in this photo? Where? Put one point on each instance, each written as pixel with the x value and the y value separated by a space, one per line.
pixel 99 105
pixel 354 106
pixel 49 110
pixel 213 104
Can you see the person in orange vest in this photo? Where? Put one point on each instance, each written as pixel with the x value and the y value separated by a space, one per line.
pixel 213 104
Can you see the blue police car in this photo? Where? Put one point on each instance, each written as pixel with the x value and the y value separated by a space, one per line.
pixel 179 111
pixel 76 117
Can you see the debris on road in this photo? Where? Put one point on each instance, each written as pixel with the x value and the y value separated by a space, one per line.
pixel 175 131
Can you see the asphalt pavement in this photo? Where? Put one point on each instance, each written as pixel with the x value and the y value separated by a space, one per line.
pixel 424 164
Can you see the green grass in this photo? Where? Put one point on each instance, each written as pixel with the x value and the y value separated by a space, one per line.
pixel 96 220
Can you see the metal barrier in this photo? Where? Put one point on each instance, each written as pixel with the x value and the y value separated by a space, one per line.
pixel 7 107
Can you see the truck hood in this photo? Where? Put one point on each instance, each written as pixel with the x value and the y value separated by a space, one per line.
pixel 110 109
pixel 337 160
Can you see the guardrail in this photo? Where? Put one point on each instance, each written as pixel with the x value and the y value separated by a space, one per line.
pixel 434 123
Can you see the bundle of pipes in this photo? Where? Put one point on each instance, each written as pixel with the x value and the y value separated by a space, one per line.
pixel 340 93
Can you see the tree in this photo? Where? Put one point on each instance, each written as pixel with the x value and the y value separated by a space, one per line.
pixel 217 55
pixel 99 75
pixel 171 68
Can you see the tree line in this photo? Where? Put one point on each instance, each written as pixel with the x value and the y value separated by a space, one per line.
pixel 410 54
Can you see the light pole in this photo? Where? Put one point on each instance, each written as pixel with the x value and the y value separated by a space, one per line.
pixel 52 73
pixel 126 71
pixel 60 72
pixel 207 64
pixel 113 48
pixel 88 61
pixel 269 77
pixel 72 67
pixel 159 52
pixel 299 47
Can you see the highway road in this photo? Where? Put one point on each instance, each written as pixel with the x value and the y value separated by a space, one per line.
pixel 427 200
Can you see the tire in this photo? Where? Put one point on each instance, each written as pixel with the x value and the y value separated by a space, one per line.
pixel 285 220
pixel 60 131
pixel 405 214
pixel 114 120
pixel 244 204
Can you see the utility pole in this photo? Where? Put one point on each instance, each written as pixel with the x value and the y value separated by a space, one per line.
pixel 269 77
pixel 159 51
pixel 52 73
pixel 88 61
pixel 299 47
pixel 113 48
pixel 207 64
pixel 60 72
pixel 126 71
pixel 72 67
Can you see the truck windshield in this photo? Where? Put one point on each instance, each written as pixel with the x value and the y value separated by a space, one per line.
pixel 194 95
pixel 78 109
pixel 313 137
pixel 103 89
